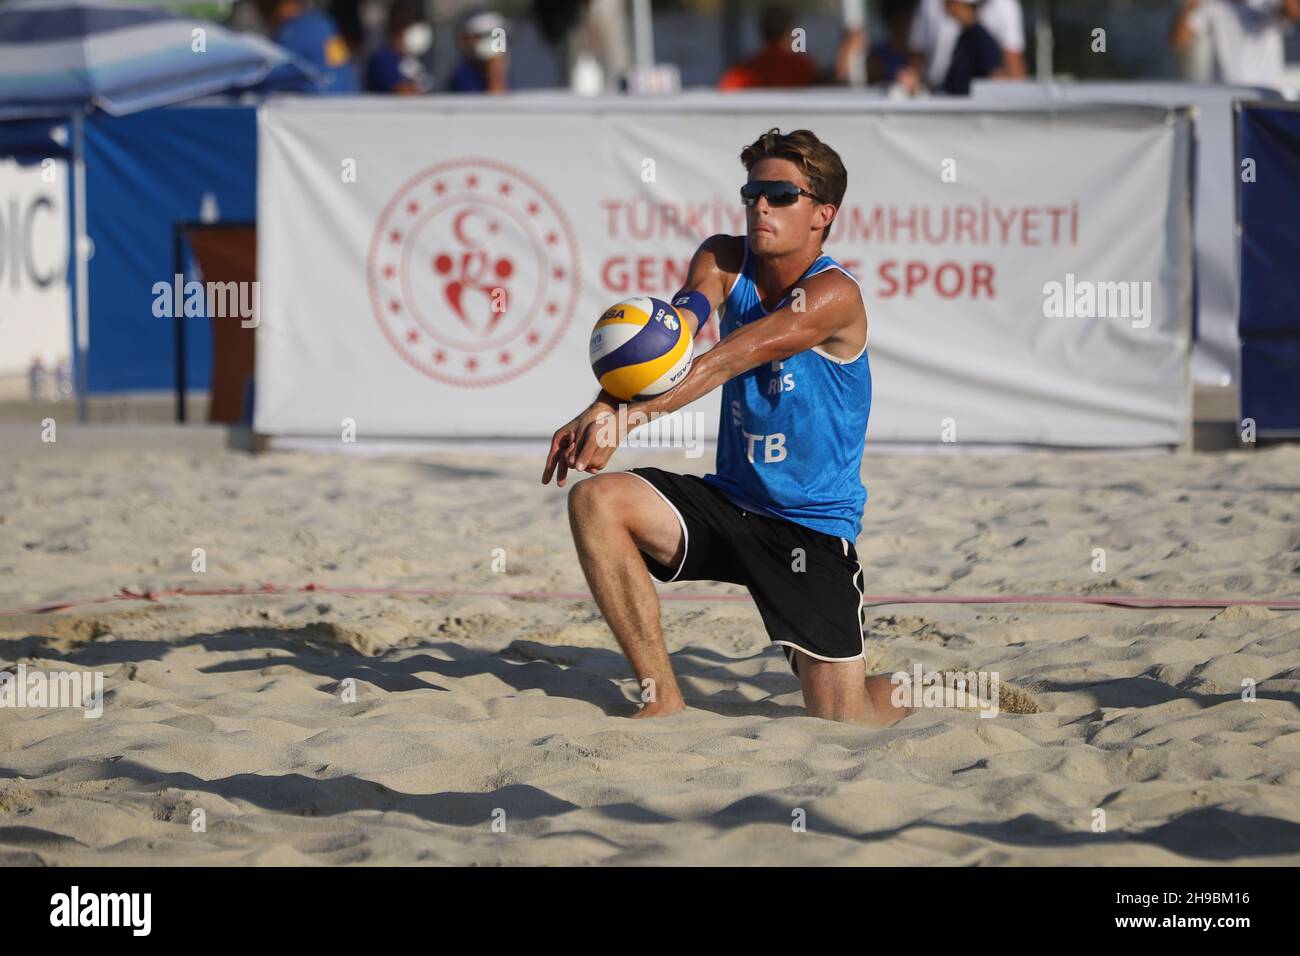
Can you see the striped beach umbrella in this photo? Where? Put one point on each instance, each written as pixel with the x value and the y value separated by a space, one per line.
pixel 62 57
pixel 68 58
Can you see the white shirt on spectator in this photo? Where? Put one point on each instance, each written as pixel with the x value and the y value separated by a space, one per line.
pixel 1246 37
pixel 934 33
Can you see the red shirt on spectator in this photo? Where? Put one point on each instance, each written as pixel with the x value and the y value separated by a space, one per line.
pixel 775 65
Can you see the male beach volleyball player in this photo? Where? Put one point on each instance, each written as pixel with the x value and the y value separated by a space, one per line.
pixel 783 509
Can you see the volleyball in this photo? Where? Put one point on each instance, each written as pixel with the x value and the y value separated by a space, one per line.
pixel 640 347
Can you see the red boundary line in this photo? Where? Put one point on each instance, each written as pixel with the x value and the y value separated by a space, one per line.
pixel 126 594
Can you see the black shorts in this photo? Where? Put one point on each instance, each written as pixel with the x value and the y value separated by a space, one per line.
pixel 807 585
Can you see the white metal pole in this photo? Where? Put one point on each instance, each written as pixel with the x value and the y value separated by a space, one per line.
pixel 80 245
pixel 643 34
pixel 855 19
pixel 1043 40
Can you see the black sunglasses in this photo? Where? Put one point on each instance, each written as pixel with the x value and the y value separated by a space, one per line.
pixel 779 192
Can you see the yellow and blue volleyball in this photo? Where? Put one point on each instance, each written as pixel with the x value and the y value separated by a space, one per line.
pixel 640 347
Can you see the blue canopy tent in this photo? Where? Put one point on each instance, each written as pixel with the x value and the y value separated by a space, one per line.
pixel 75 58
pixel 149 175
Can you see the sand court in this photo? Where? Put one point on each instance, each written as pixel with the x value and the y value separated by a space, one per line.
pixel 320 728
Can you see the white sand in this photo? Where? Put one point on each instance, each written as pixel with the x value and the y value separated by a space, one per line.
pixel 466 706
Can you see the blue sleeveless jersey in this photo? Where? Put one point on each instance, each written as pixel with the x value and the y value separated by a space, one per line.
pixel 792 432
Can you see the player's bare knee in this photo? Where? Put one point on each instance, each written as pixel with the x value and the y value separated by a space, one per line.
pixel 580 499
pixel 592 499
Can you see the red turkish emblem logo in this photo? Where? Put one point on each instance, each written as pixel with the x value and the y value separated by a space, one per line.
pixel 473 272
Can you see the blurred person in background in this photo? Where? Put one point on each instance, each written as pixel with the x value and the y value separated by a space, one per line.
pixel 1245 36
pixel 975 55
pixel 395 66
pixel 592 39
pixel 777 64
pixel 347 16
pixel 934 36
pixel 484 67
pixel 889 61
pixel 314 37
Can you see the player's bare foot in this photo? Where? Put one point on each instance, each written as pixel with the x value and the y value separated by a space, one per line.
pixel 883 712
pixel 661 708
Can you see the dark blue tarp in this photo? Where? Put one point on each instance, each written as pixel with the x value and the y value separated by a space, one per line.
pixel 1269 315
pixel 144 174
pixel 30 141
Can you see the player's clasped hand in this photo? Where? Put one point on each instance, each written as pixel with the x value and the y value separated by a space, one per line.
pixel 582 444
pixel 597 443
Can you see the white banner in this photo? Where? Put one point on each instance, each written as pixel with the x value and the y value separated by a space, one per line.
pixel 34 317
pixel 1217 351
pixel 1026 274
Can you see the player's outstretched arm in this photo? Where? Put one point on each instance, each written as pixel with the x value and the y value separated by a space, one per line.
pixel 704 277
pixel 829 305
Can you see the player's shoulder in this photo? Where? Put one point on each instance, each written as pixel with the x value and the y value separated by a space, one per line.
pixel 727 251
pixel 832 275
pixel 843 286
pixel 717 262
